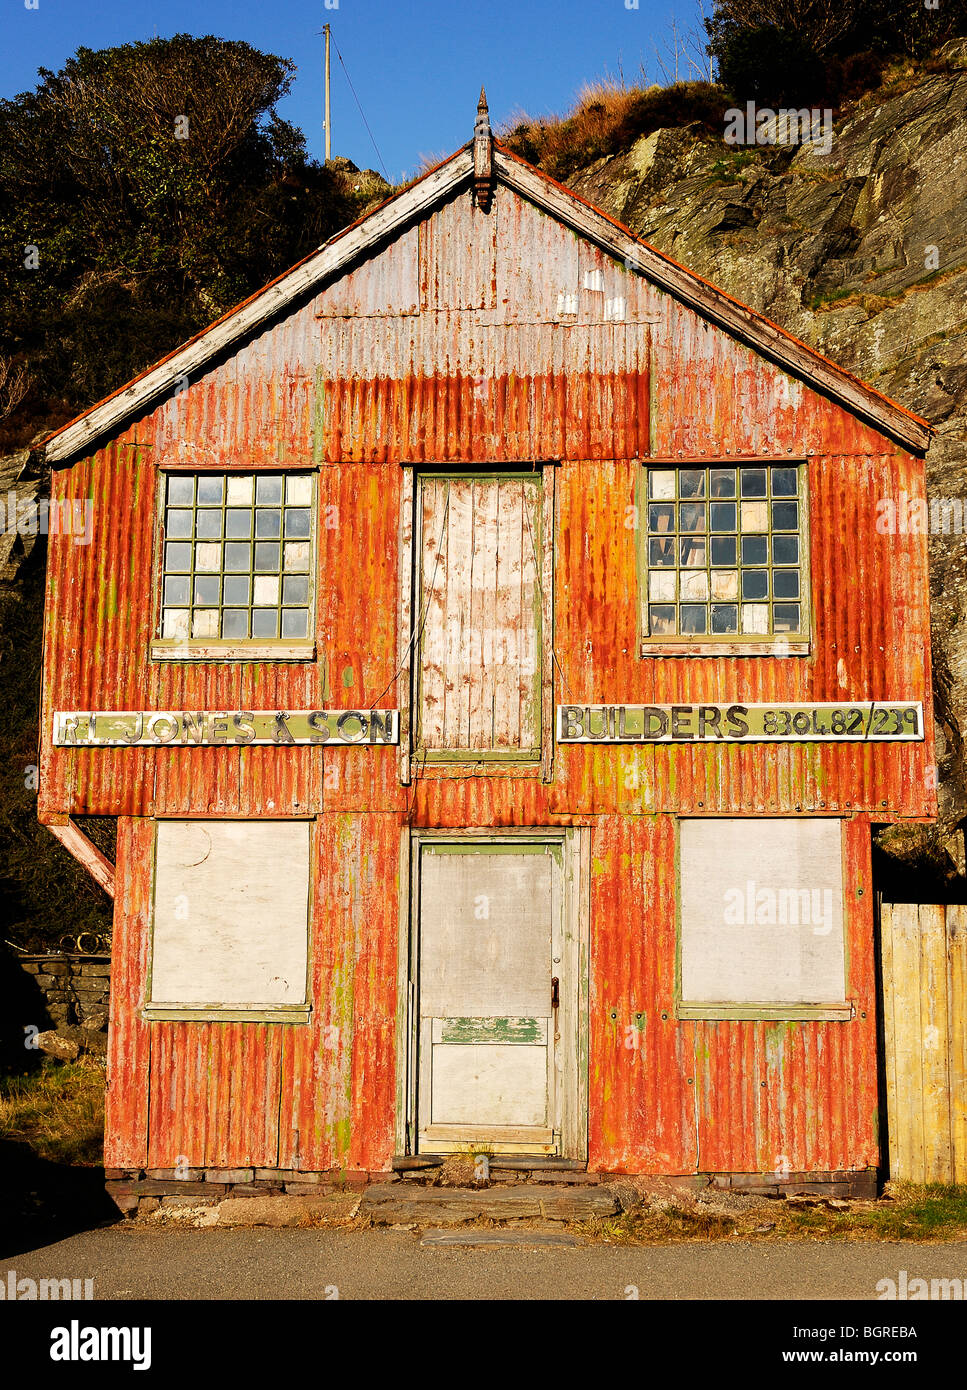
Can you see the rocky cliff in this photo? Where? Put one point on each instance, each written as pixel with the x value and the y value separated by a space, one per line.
pixel 861 251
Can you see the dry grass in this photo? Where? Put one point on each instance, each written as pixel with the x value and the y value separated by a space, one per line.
pixel 58 1110
pixel 607 118
pixel 904 1212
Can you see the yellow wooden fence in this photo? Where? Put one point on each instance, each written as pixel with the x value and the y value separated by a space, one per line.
pixel 924 950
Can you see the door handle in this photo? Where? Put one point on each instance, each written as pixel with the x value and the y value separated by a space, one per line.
pixel 555 992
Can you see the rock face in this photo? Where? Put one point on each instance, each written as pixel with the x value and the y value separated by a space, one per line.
pixel 861 251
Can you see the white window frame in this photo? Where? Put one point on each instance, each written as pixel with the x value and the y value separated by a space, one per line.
pixel 239 648
pixel 783 909
pixel 737 644
pixel 164 937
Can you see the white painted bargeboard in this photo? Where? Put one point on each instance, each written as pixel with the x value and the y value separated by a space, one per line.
pixel 231 913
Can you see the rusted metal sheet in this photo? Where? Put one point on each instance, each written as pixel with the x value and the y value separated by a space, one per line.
pixel 316 1096
pixel 873 646
pixel 389 283
pixel 641 1102
pixel 677 1097
pixel 795 1097
pixel 458 257
pixel 716 396
pixel 443 349
pixel 126 1097
pixel 339 1072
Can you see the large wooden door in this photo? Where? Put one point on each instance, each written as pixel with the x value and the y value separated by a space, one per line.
pixel 490 1034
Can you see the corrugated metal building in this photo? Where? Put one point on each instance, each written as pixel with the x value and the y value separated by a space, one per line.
pixel 495 644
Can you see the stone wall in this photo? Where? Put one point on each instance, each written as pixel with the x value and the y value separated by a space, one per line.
pixel 75 989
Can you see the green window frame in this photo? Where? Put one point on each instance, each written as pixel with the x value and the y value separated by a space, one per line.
pixel 434 620
pixel 236 564
pixel 724 557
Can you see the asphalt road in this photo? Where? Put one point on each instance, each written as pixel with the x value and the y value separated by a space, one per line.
pixel 260 1263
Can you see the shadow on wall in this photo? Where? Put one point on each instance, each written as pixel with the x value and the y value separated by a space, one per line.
pixel 916 869
pixel 23 1014
pixel 40 1201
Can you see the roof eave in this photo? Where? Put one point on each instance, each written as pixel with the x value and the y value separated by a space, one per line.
pixel 145 390
pixel 712 303
pixel 892 419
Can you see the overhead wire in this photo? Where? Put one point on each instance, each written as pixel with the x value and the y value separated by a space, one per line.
pixel 363 114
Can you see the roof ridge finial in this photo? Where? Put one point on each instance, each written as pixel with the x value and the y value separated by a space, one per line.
pixel 482 128
pixel 483 161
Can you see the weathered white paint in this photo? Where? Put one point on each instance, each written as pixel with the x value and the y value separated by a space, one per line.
pixel 392 217
pixel 231 913
pixel 490 927
pixel 486 924
pixel 761 911
pixel 489 1084
pixel 480 660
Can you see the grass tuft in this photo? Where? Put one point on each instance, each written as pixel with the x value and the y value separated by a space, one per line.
pixel 905 1212
pixel 58 1111
pixel 608 118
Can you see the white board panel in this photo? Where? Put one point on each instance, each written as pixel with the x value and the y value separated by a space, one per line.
pixel 762 911
pixel 231 912
pixel 489 1084
pixel 479 655
pixel 486 934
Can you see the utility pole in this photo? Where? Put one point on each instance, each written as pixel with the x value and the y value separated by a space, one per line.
pixel 325 30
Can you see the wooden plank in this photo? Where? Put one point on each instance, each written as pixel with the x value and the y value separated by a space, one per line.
pixel 483 595
pixel 935 1080
pixel 84 851
pixel 907 1120
pixel 457 629
pixel 762 912
pixel 507 726
pixel 489 1084
pixel 433 551
pixel 957 1050
pixel 485 935
pixel 529 641
pixel 231 913
pixel 461 1135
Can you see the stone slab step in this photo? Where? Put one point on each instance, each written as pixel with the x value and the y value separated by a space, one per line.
pixel 527 1240
pixel 394 1204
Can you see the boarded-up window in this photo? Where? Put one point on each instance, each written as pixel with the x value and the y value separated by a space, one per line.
pixel 761 913
pixel 231 912
pixel 479 653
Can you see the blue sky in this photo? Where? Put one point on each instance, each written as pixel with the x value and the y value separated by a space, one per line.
pixel 417 69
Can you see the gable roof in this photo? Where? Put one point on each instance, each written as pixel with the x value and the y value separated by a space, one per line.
pixel 418 200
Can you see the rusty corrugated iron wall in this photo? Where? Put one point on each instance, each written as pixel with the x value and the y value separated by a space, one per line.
pixel 476 338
